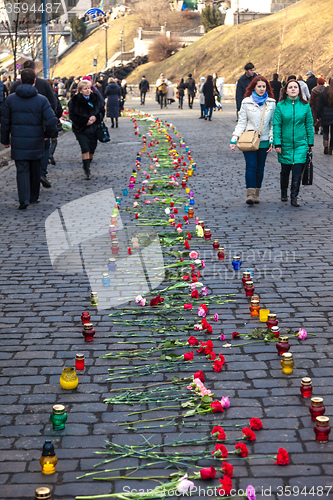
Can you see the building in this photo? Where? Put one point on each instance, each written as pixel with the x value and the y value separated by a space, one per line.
pixel 245 10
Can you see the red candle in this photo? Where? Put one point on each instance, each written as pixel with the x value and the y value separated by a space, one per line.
pixel 79 361
pixel 85 317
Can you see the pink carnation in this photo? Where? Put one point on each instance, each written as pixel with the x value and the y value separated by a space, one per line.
pixel 225 403
pixel 193 254
pixel 302 334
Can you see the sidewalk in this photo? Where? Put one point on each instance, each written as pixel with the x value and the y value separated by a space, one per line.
pixel 291 252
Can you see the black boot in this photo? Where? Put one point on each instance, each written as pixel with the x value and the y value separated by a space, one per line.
pixel 295 184
pixel 284 181
pixel 86 168
pixel 116 122
pixel 112 122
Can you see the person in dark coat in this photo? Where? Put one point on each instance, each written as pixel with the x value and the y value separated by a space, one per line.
pixel 311 81
pixel 276 86
pixel 314 100
pixel 208 92
pixel 43 87
pixel 181 92
pixel 54 138
pixel 143 87
pixel 26 121
pixel 112 94
pixel 191 90
pixel 86 110
pixel 325 114
pixel 243 82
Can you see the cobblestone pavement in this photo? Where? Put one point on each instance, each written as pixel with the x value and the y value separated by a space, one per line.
pixel 291 253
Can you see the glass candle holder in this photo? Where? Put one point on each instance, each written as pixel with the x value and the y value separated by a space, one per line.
pixel 43 493
pixel 192 200
pixel 322 429
pixel 263 315
pixel 106 279
pixel 58 417
pixel 282 345
pixel 79 361
pixel 236 263
pixel 118 200
pixel 306 387
pixel 68 379
pixel 187 190
pixel 207 234
pixel 249 288
pixel 275 330
pixel 254 308
pixel 271 320
pixel 202 224
pixel 88 332
pixel 246 277
pixel 94 298
pixel 190 213
pixel 287 363
pixel 114 247
pixel 256 297
pixel 186 207
pixel 112 265
pixel 112 229
pixel 190 172
pixel 221 253
pixel 317 408
pixel 114 220
pixel 85 317
pixel 216 244
pixel 48 460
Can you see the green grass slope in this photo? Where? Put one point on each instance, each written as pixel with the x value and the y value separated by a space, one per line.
pixel 306 29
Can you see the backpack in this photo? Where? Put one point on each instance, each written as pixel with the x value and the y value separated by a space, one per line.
pixel 1 91
pixel 163 88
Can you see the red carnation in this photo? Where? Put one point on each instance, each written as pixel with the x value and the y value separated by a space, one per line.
pixel 248 434
pixel 241 449
pixel 200 375
pixel 208 473
pixel 136 196
pixel 193 340
pixel 226 486
pixel 211 355
pixel 175 211
pixel 216 407
pixel 187 245
pixel 188 356
pixel 188 306
pixel 255 424
pixel 195 294
pixel 136 215
pixel 171 203
pixel 204 307
pixel 186 277
pixel 194 279
pixel 227 469
pixel 189 237
pixel 220 451
pixel 204 323
pixel 235 335
pixel 198 274
pixel 217 366
pixel 209 328
pixel 218 432
pixel 157 300
pixel 202 347
pixel 192 267
pixel 282 457
pixel 185 218
pixel 129 251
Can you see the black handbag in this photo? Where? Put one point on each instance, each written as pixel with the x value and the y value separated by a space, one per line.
pixel 102 133
pixel 307 174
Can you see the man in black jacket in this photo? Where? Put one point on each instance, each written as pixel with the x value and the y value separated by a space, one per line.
pixel 26 121
pixel 243 82
pixel 191 90
pixel 143 87
pixel 276 87
pixel 311 81
pixel 43 87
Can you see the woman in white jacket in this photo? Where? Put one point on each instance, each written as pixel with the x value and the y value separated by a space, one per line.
pixel 258 93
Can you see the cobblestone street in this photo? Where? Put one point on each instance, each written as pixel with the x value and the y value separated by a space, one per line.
pixel 291 253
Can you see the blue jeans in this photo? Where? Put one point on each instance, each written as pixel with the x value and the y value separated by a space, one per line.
pixel 255 164
pixel 210 112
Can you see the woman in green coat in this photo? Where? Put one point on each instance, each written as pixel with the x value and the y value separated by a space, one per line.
pixel 292 137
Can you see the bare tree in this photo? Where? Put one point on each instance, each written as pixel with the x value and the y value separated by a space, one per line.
pixel 152 13
pixel 162 48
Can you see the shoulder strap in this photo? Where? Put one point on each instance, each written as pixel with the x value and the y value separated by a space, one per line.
pixel 262 119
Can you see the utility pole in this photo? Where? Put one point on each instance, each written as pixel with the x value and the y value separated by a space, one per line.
pixel 106 27
pixel 45 41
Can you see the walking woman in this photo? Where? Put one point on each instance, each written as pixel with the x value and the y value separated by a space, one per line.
pixel 112 94
pixel 181 92
pixel 325 114
pixel 258 99
pixel 201 97
pixel 208 91
pixel 86 110
pixel 293 137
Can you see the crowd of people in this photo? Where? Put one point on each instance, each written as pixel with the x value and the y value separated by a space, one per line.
pixel 287 114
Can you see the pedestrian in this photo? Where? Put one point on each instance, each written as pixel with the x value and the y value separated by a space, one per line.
pixel 219 95
pixel 144 88
pixel 311 81
pixel 170 92
pixel 293 138
pixel 157 85
pixel 304 88
pixel 26 121
pixel 161 90
pixel 191 90
pixel 201 97
pixel 259 99
pixel 276 86
pixel 181 92
pixel 243 82
pixel 54 138
pixel 61 89
pixel 314 100
pixel 112 94
pixel 325 114
pixel 208 91
pixel 86 110
pixel 44 88
pixel 73 87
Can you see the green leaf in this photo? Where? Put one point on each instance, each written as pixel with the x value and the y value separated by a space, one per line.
pixel 190 413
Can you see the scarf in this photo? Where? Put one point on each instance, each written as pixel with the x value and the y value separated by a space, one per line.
pixel 260 100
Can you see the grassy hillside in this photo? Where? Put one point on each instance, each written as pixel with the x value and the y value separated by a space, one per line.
pixel 225 50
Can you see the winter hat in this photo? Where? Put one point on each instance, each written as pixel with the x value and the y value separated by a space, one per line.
pixel 309 73
pixel 87 78
pixel 202 79
pixel 320 81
